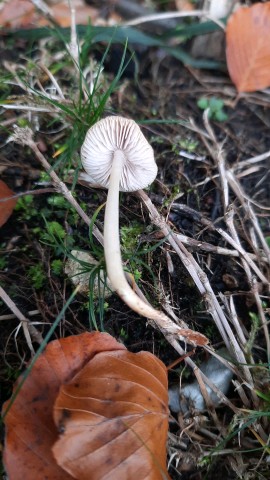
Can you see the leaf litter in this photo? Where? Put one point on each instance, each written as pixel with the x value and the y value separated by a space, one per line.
pixel 209 201
pixel 86 399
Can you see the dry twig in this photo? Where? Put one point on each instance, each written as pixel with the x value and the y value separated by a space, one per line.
pixel 28 328
pixel 228 180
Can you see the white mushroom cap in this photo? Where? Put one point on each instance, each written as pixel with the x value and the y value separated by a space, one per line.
pixel 118 133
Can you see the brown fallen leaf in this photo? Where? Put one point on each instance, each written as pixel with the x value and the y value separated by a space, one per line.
pixel 184 5
pixel 6 206
pixel 62 15
pixel 248 47
pixel 17 14
pixel 23 14
pixel 30 429
pixel 113 419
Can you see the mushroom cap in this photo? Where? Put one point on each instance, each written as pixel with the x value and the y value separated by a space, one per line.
pixel 113 134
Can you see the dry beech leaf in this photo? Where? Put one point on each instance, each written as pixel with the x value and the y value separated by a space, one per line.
pixel 113 419
pixel 6 206
pixel 30 429
pixel 23 14
pixel 61 13
pixel 184 5
pixel 248 47
pixel 17 13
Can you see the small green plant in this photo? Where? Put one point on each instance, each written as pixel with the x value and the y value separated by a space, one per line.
pixel 215 107
pixel 130 242
pixel 129 237
pixel 37 276
pixel 57 266
pixel 123 334
pixel 55 236
pixel 54 229
pixel 265 397
pixel 175 193
pixel 188 144
pixel 2 263
pixel 25 207
pixel 58 201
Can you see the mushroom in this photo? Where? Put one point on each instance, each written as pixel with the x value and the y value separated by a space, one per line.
pixel 116 155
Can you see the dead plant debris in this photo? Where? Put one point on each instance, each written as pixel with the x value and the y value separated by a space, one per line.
pixel 195 245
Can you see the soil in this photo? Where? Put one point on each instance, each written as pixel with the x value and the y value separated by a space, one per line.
pixel 166 91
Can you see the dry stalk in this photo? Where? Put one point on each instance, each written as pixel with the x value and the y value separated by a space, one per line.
pixel 250 161
pixel 200 376
pixel 229 219
pixel 229 305
pixel 243 199
pixel 243 253
pixel 197 372
pixel 163 16
pixel 28 328
pixel 73 47
pixel 253 284
pixel 228 180
pixel 208 247
pixel 11 316
pixel 208 402
pixel 241 393
pixel 53 80
pixel 199 277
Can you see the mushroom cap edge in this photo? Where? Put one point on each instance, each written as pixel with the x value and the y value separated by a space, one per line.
pixel 118 133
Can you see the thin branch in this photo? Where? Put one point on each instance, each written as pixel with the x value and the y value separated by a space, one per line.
pixel 28 327
pixel 228 180
pixel 163 16
pixel 239 193
pixel 199 277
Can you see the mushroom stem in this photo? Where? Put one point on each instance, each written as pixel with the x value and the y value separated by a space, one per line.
pixel 112 252
pixel 112 249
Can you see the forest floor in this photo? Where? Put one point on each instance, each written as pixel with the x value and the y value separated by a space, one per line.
pixel 212 190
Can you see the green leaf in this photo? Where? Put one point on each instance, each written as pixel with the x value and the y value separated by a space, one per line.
pixel 203 103
pixel 220 116
pixel 215 104
pixel 57 266
pixel 264 396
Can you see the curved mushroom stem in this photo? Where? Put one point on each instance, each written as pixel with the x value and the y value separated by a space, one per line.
pixel 113 258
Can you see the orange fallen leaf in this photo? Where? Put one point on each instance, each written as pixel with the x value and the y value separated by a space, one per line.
pixel 113 419
pixel 184 5
pixel 30 429
pixel 62 15
pixel 17 14
pixel 6 206
pixel 248 47
pixel 23 14
pixel 110 409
